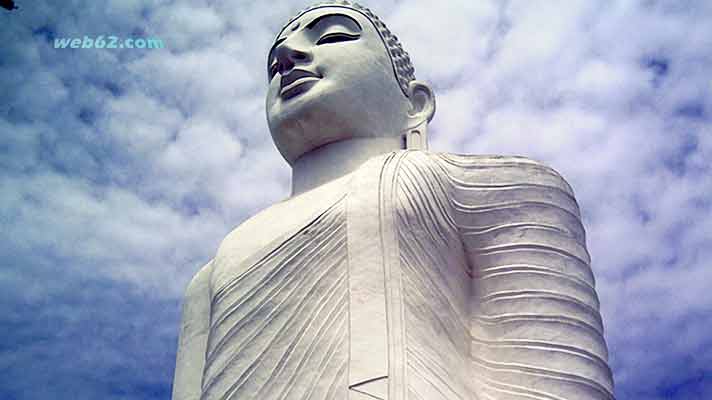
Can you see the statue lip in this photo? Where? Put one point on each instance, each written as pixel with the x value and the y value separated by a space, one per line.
pixel 295 78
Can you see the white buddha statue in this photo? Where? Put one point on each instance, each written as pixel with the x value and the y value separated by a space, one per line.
pixel 391 272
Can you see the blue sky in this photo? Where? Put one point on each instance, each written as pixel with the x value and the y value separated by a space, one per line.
pixel 122 169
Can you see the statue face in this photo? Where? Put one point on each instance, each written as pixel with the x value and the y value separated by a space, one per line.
pixel 331 79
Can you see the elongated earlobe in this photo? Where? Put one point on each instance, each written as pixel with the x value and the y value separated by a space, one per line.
pixel 416 138
pixel 422 110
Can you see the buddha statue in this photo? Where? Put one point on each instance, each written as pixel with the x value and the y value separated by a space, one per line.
pixel 391 272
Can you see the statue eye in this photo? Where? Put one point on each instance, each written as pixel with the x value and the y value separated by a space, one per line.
pixel 336 37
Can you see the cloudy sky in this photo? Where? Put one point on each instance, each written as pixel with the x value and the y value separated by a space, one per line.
pixel 122 169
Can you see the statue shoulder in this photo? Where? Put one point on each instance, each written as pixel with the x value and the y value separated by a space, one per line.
pixel 278 222
pixel 247 235
pixel 499 169
pixel 199 283
pixel 255 231
pixel 465 160
pixel 462 170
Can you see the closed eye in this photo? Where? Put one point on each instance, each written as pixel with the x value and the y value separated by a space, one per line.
pixel 336 37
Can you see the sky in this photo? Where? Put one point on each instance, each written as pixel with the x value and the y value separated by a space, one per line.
pixel 121 170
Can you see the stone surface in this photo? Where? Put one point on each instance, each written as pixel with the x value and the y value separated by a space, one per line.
pixel 391 272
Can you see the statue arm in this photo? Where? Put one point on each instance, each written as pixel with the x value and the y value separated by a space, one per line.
pixel 192 342
pixel 535 321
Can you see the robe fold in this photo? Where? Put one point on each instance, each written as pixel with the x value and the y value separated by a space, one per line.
pixel 436 276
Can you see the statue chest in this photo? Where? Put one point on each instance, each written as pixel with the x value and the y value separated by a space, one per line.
pixel 281 314
pixel 291 290
pixel 265 232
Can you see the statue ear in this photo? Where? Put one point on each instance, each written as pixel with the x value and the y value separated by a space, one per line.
pixel 422 109
pixel 422 101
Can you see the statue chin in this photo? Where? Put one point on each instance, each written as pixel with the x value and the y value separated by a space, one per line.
pixel 320 116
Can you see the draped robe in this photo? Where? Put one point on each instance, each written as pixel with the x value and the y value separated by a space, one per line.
pixel 436 276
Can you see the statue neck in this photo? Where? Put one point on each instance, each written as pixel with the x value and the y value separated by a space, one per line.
pixel 337 159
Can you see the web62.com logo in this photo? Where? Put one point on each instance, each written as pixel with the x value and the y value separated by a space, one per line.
pixel 110 42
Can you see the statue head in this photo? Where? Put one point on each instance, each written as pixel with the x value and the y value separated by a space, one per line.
pixel 337 73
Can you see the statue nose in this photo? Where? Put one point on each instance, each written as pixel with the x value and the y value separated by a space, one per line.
pixel 288 56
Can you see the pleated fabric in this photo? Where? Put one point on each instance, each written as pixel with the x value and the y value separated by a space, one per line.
pixel 279 329
pixel 536 330
pixel 496 298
